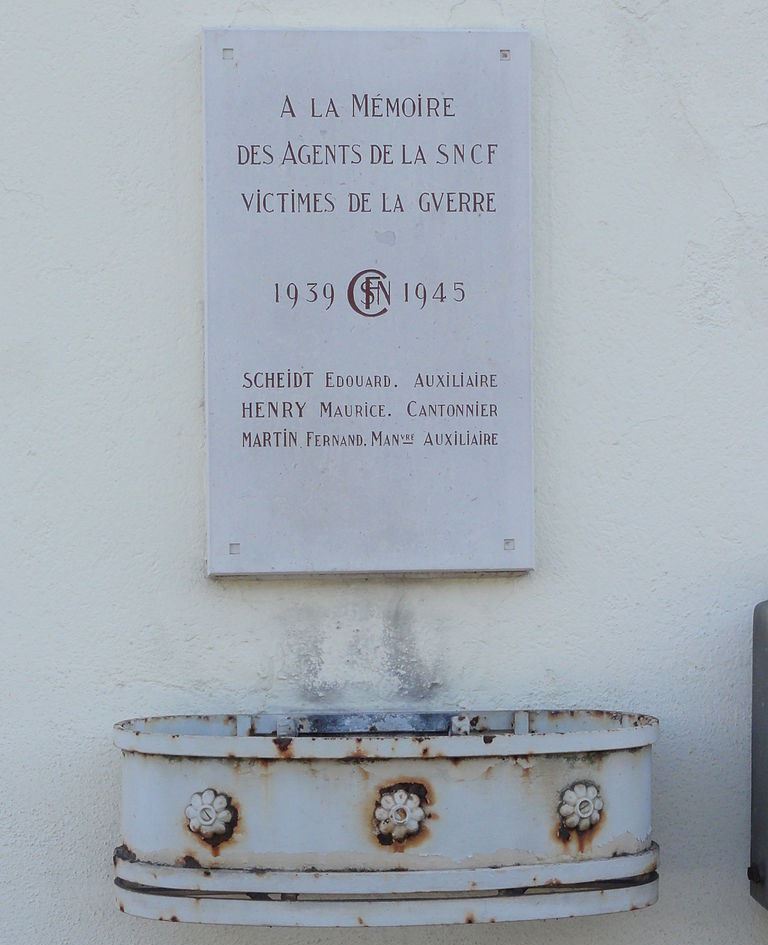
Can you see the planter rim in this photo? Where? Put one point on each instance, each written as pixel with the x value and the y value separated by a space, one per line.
pixel 374 736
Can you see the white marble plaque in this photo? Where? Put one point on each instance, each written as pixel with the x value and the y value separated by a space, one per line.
pixel 368 301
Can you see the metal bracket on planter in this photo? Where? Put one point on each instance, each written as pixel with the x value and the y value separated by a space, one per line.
pixel 286 727
pixel 460 725
pixel 469 723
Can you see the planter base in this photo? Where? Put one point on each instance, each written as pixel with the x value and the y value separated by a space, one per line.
pixel 508 906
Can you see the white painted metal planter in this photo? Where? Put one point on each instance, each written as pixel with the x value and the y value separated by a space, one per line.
pixel 386 818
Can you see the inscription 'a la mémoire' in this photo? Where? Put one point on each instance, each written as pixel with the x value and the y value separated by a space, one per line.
pixel 367 105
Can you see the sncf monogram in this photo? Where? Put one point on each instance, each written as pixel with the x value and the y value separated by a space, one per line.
pixel 369 293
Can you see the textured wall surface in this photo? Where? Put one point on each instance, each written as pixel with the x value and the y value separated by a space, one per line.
pixel 650 208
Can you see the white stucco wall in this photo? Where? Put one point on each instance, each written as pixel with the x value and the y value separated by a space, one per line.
pixel 650 151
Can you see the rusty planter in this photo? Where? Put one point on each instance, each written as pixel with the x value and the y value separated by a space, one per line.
pixel 386 818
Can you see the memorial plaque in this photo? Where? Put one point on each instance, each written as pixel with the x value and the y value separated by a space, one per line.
pixel 368 301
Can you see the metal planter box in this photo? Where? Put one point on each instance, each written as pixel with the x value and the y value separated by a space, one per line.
pixel 386 818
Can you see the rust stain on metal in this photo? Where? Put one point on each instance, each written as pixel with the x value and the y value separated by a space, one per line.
pixel 358 754
pixel 284 745
pixel 469 919
pixel 621 718
pixel 123 853
pixel 525 762
pixel 583 839
pixel 592 759
pixel 190 862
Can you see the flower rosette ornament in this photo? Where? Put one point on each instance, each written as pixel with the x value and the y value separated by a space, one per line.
pixel 211 815
pixel 398 815
pixel 581 806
